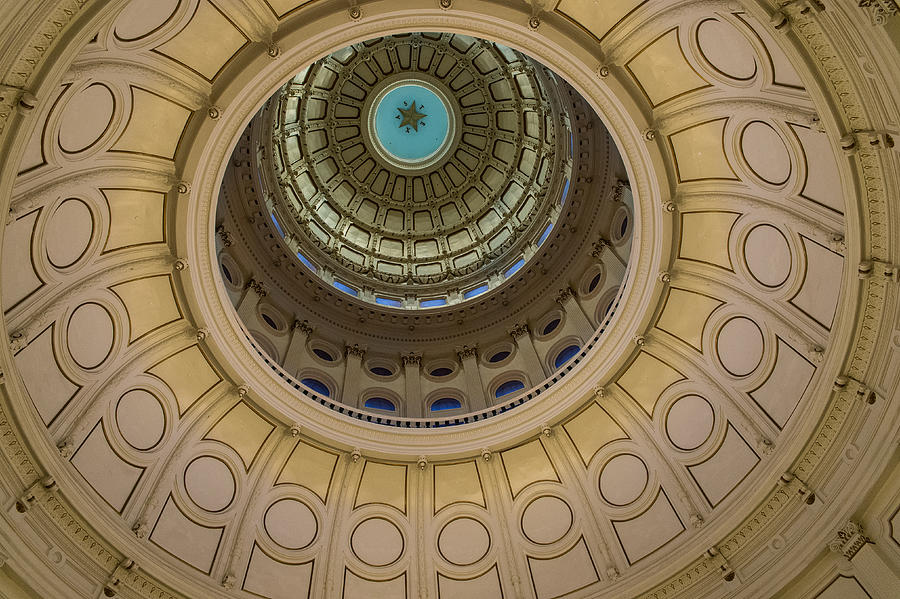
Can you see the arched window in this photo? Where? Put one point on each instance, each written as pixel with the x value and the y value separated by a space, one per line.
pixel 445 403
pixel 380 403
pixel 509 387
pixel 566 355
pixel 317 386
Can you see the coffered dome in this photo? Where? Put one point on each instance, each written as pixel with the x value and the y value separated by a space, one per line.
pixel 417 167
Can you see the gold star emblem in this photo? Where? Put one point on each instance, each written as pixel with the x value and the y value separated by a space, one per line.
pixel 411 116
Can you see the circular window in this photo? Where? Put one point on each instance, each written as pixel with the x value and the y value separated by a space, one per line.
pixel 381 371
pixel 227 274
pixel 441 371
pixel 620 225
pixel 498 357
pixel 323 354
pixel 550 326
pixel 595 281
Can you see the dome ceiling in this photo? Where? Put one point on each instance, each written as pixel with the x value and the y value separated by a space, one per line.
pixel 445 216
pixel 736 411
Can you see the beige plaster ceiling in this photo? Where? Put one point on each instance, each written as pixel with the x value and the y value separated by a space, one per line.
pixel 752 363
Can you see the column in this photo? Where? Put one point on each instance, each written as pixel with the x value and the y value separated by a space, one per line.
pixel 566 299
pixel 295 358
pixel 246 308
pixel 522 336
pixel 468 358
pixel 877 577
pixel 352 373
pixel 412 363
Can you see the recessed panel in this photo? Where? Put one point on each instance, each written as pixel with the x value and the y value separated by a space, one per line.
pixel 68 233
pixel 291 524
pixel 210 483
pixel 546 520
pixel 377 542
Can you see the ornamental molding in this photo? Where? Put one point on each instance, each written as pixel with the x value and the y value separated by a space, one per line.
pixel 467 351
pixel 850 538
pixel 519 330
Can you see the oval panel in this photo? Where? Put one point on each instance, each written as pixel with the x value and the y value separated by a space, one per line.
pixel 209 483
pixel 291 524
pixel 546 520
pixel 689 422
pixel 68 233
pixel 623 479
pixel 141 419
pixel 768 255
pixel 86 117
pixel 726 50
pixel 140 18
pixel 766 153
pixel 740 345
pixel 464 541
pixel 377 542
pixel 90 335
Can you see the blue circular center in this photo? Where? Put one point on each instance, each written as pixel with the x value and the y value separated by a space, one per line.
pixel 411 122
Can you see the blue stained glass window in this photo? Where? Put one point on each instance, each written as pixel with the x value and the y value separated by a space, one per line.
pixel 380 403
pixel 566 355
pixel 565 192
pixel 509 387
pixel 306 261
pixel 545 234
pixel 346 288
pixel 432 303
pixel 317 386
pixel 445 403
pixel 277 226
pixel 386 301
pixel 514 268
pixel 477 291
